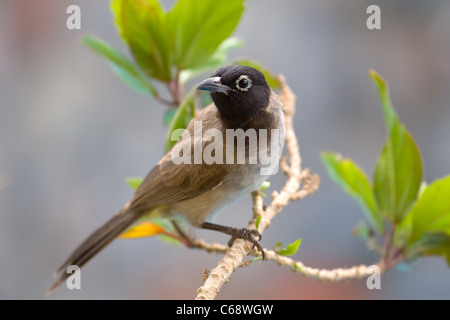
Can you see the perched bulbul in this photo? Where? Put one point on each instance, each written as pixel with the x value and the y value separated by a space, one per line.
pixel 243 102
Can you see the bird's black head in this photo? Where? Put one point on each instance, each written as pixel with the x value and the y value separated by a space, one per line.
pixel 239 92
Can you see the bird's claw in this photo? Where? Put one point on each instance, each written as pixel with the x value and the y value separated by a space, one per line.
pixel 250 235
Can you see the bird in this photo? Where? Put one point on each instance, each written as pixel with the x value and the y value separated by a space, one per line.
pixel 242 102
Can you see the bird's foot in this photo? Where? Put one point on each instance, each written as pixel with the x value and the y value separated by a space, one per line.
pixel 246 234
pixel 249 235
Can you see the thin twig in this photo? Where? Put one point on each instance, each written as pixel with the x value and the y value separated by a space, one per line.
pixel 388 241
pixel 176 89
pixel 337 274
pixel 162 100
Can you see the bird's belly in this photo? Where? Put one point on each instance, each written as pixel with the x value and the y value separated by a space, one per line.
pixel 238 184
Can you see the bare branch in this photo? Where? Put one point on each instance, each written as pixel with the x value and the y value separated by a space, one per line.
pixel 235 255
pixel 338 274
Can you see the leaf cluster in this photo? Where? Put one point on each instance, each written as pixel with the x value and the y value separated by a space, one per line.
pixel 411 216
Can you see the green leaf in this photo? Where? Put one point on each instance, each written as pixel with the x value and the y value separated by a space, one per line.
pixel 180 119
pixel 218 59
pixel 134 182
pixel 431 213
pixel 277 246
pixel 168 225
pixel 258 220
pixel 355 182
pixel 430 244
pixel 117 9
pixel 168 116
pixel 255 259
pixel 398 172
pixel 271 79
pixel 441 248
pixel 290 249
pixel 298 267
pixel 142 230
pixel 200 26
pixel 423 186
pixel 264 186
pixel 141 24
pixel 127 71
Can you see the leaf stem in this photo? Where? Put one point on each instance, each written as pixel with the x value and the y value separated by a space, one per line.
pixel 392 255
pixel 162 100
pixel 176 88
pixel 187 239
pixel 178 238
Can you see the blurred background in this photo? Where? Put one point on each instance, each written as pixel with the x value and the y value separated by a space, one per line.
pixel 70 131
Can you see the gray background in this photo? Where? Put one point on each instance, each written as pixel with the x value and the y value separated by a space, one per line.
pixel 70 132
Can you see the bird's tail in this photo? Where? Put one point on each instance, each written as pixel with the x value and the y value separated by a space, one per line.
pixel 94 243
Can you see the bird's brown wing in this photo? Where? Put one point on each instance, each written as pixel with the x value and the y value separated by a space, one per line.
pixel 169 182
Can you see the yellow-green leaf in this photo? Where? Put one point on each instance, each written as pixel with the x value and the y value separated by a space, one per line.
pixel 398 171
pixel 431 213
pixel 142 25
pixel 430 244
pixel 126 70
pixel 200 26
pixel 355 182
pixel 258 220
pixel 134 182
pixel 180 119
pixel 143 229
pixel 290 248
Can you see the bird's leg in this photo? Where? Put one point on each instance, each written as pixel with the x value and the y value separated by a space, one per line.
pixel 190 242
pixel 237 233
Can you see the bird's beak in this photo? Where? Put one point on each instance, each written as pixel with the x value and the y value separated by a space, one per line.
pixel 213 84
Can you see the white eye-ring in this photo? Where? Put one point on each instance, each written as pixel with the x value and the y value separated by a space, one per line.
pixel 244 83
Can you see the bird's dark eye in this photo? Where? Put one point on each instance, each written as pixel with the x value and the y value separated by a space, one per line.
pixel 244 83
